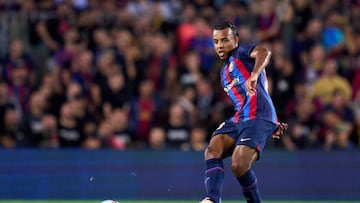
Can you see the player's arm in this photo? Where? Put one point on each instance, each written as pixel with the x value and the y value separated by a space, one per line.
pixel 262 57
pixel 280 130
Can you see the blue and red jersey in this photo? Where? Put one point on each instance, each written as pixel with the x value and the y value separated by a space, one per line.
pixel 235 71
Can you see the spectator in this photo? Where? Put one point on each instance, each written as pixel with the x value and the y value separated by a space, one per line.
pixel 82 70
pixel 283 80
pixel 106 69
pixel 53 92
pixel 92 141
pixel 51 30
pixel 316 62
pixel 301 90
pixel 302 133
pixel 229 12
pixel 201 43
pixel 187 101
pixel 116 94
pixel 266 22
pixel 302 15
pixel 102 43
pixel 198 139
pixel 329 121
pixel 205 99
pixel 69 128
pixel 191 71
pixel 18 57
pixel 105 132
pixel 49 132
pixel 122 137
pixel 12 133
pixel 157 139
pixel 127 55
pixel 301 49
pixel 162 68
pixel 144 110
pixel 177 128
pixel 338 138
pixel 64 56
pixel 95 102
pixel 333 35
pixel 329 81
pixel 340 106
pixel 7 100
pixel 19 85
pixel 185 30
pixel 245 35
pixel 34 119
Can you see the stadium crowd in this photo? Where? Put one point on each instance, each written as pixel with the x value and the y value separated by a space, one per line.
pixel 142 74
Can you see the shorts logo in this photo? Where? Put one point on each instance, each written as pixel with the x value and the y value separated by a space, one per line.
pixel 245 139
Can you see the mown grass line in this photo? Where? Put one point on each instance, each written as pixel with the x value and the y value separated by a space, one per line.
pixel 154 201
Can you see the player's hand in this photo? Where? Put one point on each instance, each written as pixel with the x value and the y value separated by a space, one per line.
pixel 250 84
pixel 282 127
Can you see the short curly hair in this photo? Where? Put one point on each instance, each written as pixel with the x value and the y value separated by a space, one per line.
pixel 226 24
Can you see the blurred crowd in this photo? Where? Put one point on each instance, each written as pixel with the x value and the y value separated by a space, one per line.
pixel 142 74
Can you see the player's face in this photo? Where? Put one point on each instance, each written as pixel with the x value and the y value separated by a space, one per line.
pixel 224 42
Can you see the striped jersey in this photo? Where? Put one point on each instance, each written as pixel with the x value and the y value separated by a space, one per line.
pixel 235 71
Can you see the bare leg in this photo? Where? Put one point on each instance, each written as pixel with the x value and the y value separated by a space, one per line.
pixel 241 162
pixel 220 146
pixel 242 159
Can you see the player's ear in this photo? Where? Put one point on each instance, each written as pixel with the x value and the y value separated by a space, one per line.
pixel 237 39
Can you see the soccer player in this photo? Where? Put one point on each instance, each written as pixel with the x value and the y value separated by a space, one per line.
pixel 244 135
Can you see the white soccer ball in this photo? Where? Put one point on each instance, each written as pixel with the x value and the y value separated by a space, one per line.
pixel 109 201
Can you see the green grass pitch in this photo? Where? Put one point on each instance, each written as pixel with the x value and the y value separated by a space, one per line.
pixel 132 201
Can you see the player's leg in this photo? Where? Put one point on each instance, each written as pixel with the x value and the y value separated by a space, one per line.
pixel 254 136
pixel 241 162
pixel 220 146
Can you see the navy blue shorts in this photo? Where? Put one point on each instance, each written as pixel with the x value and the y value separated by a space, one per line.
pixel 253 133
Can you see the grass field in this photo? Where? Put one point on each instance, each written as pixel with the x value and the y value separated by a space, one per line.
pixel 131 201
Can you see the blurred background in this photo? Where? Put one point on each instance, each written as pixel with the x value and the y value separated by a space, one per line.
pixel 139 76
pixel 143 74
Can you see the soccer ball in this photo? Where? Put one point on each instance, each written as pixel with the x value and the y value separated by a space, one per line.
pixel 109 201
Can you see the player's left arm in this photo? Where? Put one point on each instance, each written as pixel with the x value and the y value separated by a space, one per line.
pixel 262 57
pixel 280 130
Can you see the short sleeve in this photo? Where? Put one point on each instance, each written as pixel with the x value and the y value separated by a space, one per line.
pixel 244 50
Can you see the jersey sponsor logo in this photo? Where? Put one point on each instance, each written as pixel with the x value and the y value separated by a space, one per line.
pixel 245 139
pixel 235 81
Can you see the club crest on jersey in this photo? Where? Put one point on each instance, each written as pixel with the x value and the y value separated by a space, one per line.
pixel 231 67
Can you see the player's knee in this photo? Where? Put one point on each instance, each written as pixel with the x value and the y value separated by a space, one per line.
pixel 239 168
pixel 212 152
